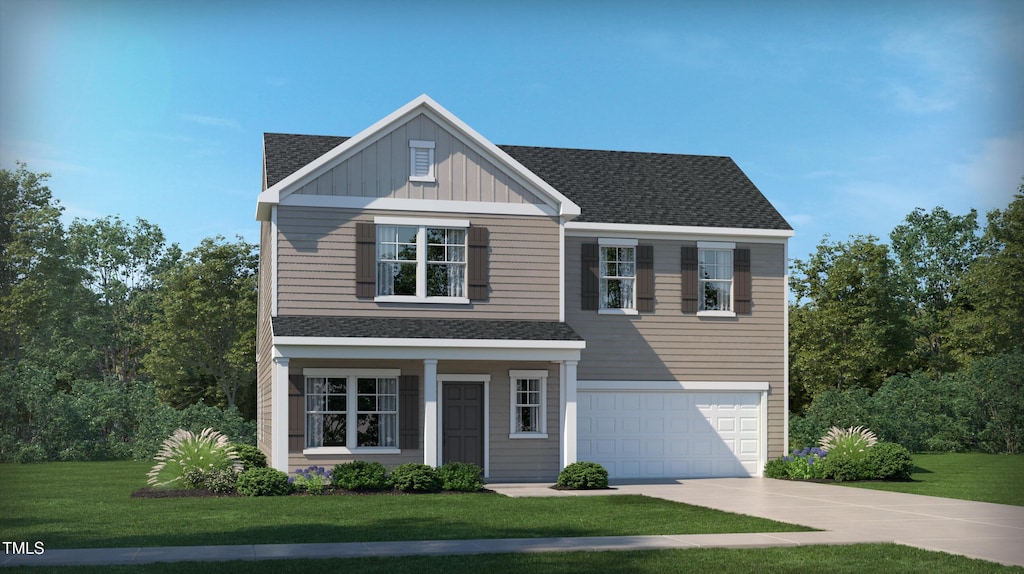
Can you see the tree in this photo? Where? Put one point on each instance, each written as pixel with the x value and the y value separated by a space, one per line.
pixel 934 251
pixel 849 325
pixel 203 340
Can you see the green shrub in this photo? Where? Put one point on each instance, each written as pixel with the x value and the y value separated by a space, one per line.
pixel 415 477
pixel 249 456
pixel 996 387
pixel 263 482
pixel 583 475
pixel 830 409
pixel 840 467
pixel 220 480
pixel 888 461
pixel 185 451
pixel 461 476
pixel 361 475
pixel 777 468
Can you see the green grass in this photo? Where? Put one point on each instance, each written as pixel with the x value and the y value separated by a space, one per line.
pixel 967 476
pixel 87 505
pixel 855 559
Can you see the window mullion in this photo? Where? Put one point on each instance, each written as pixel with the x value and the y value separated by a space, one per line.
pixel 421 262
pixel 350 411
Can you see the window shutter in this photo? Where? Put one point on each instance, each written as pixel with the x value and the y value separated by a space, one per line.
pixel 742 281
pixel 589 279
pixel 409 411
pixel 296 413
pixel 366 260
pixel 645 278
pixel 689 270
pixel 477 241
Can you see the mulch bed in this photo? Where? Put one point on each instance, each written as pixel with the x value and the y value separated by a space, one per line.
pixel 149 492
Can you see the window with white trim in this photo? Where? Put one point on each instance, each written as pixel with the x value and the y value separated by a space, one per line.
pixel 529 404
pixel 617 277
pixel 714 276
pixel 421 262
pixel 354 410
pixel 421 161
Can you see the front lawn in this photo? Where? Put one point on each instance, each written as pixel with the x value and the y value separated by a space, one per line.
pixel 88 505
pixel 967 476
pixel 854 559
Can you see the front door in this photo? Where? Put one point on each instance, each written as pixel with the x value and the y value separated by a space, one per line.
pixel 463 423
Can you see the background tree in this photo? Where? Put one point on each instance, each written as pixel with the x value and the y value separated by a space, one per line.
pixel 849 326
pixel 204 336
pixel 934 252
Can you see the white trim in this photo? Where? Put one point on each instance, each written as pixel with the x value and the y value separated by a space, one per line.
pixel 431 420
pixel 617 242
pixel 716 313
pixel 415 299
pixel 542 410
pixel 644 231
pixel 414 148
pixel 716 245
pixel 561 271
pixel 346 450
pixel 785 349
pixel 763 433
pixel 418 205
pixel 273 261
pixel 527 374
pixel 429 343
pixel 612 311
pixel 533 435
pixel 569 429
pixel 279 414
pixel 421 144
pixel 342 372
pixel 420 221
pixel 644 386
pixel 466 378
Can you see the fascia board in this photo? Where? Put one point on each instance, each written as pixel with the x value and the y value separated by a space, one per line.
pixel 643 231
pixel 419 343
pixel 524 353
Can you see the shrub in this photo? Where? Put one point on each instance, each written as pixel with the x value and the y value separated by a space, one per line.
pixel 361 475
pixel 312 479
pixel 415 477
pixel 802 464
pixel 249 456
pixel 830 408
pixel 840 467
pixel 888 461
pixel 185 451
pixel 583 475
pixel 777 468
pixel 461 476
pixel 220 480
pixel 263 482
pixel 852 442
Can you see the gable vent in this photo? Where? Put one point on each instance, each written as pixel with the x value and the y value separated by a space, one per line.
pixel 421 154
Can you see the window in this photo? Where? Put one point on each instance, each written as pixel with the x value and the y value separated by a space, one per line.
pixel 714 272
pixel 528 404
pixel 421 161
pixel 355 410
pixel 423 262
pixel 618 276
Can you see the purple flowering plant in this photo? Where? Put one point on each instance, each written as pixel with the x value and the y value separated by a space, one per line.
pixel 802 463
pixel 312 479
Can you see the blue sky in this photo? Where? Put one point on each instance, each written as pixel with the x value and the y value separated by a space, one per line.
pixel 846 115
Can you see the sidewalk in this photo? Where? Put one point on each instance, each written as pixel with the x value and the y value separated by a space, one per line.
pixel 845 515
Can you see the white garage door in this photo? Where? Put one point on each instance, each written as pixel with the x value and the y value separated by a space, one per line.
pixel 674 434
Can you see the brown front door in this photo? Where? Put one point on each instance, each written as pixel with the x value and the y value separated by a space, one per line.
pixel 463 423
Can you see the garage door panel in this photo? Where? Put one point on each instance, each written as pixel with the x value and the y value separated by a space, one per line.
pixel 676 434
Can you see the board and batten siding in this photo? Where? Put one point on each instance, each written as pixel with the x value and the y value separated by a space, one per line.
pixel 316 267
pixel 667 345
pixel 264 345
pixel 382 170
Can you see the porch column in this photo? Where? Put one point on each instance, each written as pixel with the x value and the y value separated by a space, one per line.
pixel 568 387
pixel 279 414
pixel 430 412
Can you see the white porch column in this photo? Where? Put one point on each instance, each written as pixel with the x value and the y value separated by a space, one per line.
pixel 568 387
pixel 430 434
pixel 279 414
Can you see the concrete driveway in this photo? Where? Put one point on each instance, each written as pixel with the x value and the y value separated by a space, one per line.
pixel 993 532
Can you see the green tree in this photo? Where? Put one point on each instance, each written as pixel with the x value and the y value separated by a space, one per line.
pixel 203 340
pixel 849 325
pixel 934 251
pixel 992 320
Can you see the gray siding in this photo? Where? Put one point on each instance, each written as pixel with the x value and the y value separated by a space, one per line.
pixel 669 346
pixel 264 342
pixel 382 170
pixel 316 266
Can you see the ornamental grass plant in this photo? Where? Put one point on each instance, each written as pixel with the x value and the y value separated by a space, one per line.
pixel 185 451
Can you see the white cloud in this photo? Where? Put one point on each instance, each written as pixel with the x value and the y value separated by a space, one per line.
pixel 993 174
pixel 211 121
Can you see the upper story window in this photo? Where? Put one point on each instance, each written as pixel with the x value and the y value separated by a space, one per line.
pixel 716 279
pixel 421 161
pixel 618 275
pixel 714 272
pixel 422 262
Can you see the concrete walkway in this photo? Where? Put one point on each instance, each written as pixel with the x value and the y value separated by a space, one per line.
pixel 845 515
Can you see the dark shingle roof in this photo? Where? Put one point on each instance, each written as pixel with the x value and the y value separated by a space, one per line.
pixel 609 186
pixel 398 328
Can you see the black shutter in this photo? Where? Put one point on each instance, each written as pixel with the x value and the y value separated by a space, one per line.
pixel 742 281
pixel 296 413
pixel 689 270
pixel 366 260
pixel 645 278
pixel 409 411
pixel 477 241
pixel 589 280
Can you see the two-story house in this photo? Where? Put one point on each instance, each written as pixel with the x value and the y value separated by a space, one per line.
pixel 428 296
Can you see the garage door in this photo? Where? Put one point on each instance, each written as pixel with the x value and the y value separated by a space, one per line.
pixel 674 434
